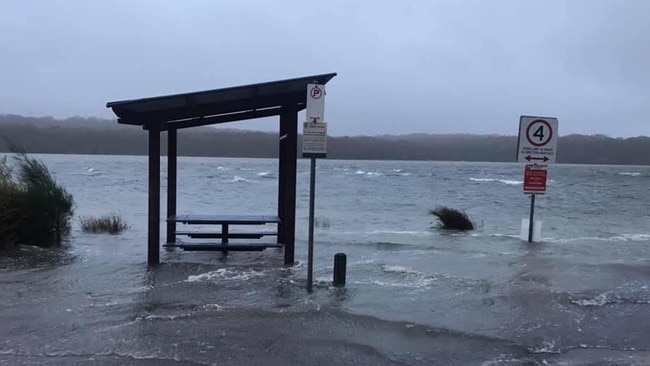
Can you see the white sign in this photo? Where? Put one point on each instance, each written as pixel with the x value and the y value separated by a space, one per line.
pixel 537 140
pixel 314 139
pixel 315 103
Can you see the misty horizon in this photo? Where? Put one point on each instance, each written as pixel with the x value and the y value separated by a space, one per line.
pixel 417 67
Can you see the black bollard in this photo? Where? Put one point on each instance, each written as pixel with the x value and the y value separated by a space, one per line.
pixel 340 264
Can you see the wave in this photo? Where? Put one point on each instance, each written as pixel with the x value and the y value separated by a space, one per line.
pixel 238 179
pixel 504 181
pixel 367 174
pixel 631 174
pixel 397 232
pixel 224 274
pixel 546 347
pixel 628 293
pixel 621 237
pixel 266 175
pixel 605 299
pixel 497 235
pixel 401 270
pixel 398 174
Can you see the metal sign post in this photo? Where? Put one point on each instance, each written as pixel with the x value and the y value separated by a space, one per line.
pixel 310 245
pixel 314 145
pixel 537 144
pixel 531 221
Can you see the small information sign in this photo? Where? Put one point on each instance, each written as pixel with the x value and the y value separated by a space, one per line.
pixel 535 179
pixel 314 140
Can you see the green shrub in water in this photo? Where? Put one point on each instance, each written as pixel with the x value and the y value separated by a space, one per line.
pixel 111 224
pixel 34 209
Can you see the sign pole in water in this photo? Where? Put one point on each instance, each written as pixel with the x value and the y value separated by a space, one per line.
pixel 531 221
pixel 314 145
pixel 310 248
pixel 537 146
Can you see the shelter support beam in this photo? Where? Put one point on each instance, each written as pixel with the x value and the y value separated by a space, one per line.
pixel 172 154
pixel 229 117
pixel 153 252
pixel 287 181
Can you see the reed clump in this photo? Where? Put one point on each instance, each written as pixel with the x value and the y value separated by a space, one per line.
pixel 34 208
pixel 452 219
pixel 111 224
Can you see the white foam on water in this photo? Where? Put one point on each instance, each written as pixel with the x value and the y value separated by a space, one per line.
pixel 165 317
pixel 502 360
pixel 223 274
pixel 599 300
pixel 504 181
pixel 362 262
pixel 238 179
pixel 400 269
pixel 417 284
pixel 621 237
pixel 215 307
pixel 497 235
pixel 546 347
pixel 398 232
pixel 265 174
pixel 397 173
pixel 630 174
pixel 629 293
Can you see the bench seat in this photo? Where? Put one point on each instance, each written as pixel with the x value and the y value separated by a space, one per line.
pixel 230 247
pixel 219 235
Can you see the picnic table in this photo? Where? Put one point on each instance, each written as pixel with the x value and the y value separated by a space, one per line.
pixel 225 221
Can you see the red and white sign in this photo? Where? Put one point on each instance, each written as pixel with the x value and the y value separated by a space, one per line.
pixel 535 179
pixel 537 140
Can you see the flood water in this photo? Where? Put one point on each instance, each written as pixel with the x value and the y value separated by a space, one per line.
pixel 415 294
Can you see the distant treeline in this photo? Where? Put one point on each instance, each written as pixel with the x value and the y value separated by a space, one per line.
pixel 97 136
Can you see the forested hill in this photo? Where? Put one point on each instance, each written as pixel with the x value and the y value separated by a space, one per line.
pixel 96 136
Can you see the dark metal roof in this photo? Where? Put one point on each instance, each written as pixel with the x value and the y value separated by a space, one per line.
pixel 219 105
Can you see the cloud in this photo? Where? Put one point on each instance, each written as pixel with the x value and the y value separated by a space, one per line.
pixel 418 66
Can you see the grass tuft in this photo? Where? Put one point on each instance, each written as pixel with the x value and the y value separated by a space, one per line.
pixel 111 223
pixel 34 209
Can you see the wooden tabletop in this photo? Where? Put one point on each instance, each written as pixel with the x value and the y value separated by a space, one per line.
pixel 225 219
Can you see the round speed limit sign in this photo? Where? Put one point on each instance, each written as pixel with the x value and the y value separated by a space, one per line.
pixel 537 141
pixel 539 132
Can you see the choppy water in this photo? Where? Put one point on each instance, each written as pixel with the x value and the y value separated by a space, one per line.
pixel 416 295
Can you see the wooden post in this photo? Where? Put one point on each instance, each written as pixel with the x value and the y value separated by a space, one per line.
pixel 153 252
pixel 340 264
pixel 288 162
pixel 172 154
pixel 281 181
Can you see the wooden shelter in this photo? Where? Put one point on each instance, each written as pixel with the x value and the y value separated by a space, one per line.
pixel 284 98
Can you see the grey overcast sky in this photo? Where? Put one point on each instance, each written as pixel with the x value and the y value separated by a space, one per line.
pixel 430 66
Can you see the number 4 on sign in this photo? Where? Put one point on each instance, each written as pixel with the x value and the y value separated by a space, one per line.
pixel 540 133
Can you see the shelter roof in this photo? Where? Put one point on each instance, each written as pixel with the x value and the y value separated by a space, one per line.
pixel 218 105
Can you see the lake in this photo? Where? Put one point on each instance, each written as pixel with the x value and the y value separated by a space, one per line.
pixel 415 294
